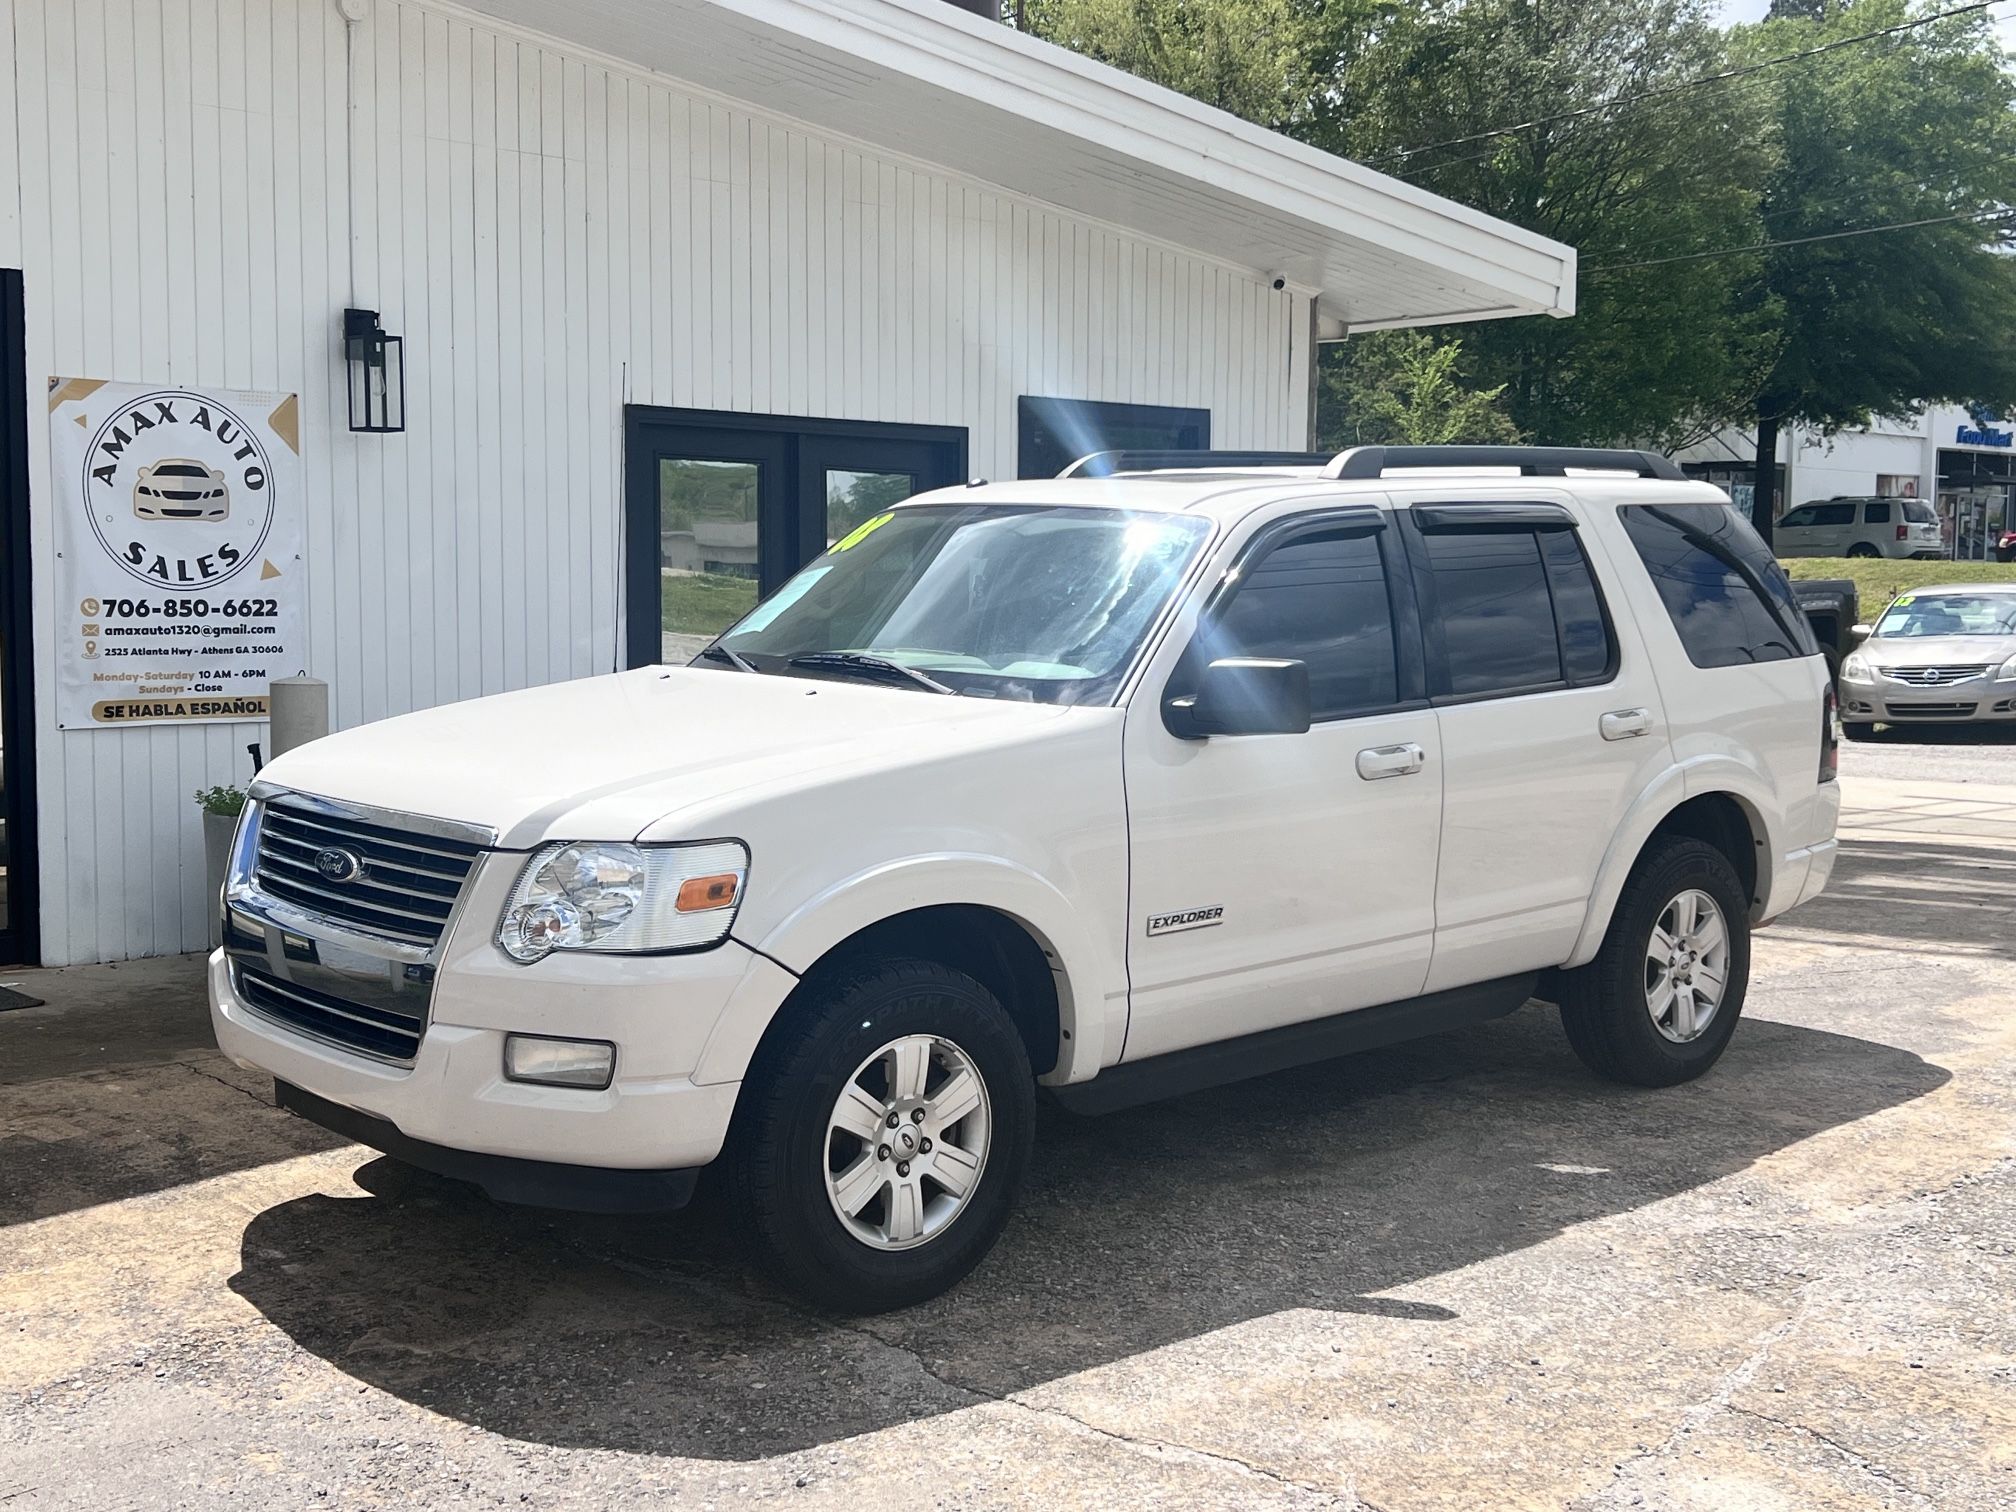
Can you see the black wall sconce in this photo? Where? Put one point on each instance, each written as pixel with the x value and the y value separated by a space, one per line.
pixel 377 366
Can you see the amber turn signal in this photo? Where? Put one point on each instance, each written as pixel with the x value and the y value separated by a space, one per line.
pixel 698 894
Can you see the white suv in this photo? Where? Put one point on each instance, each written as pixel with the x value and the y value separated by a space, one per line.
pixel 1905 528
pixel 1107 786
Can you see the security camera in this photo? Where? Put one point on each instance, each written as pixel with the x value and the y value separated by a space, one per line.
pixel 1280 283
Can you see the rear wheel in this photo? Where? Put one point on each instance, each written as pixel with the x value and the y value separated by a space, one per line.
pixel 882 1141
pixel 1863 549
pixel 1660 1001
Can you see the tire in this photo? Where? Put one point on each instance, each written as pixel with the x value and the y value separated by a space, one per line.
pixel 1606 1005
pixel 1857 729
pixel 784 1147
pixel 1863 549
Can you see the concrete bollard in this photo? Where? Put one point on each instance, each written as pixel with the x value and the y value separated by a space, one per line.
pixel 300 712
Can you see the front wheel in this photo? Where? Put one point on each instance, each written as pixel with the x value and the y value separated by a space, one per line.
pixel 882 1138
pixel 1660 1001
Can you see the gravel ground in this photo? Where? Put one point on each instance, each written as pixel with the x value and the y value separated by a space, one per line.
pixel 1455 1274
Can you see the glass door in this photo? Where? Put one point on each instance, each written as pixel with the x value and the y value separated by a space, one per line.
pixel 722 508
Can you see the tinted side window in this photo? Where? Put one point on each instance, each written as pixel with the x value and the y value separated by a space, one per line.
pixel 1319 599
pixel 1496 613
pixel 1709 566
pixel 1833 514
pixel 1588 655
pixel 1877 513
pixel 1798 519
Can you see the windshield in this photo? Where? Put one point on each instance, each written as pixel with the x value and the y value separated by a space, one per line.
pixel 1950 614
pixel 1042 604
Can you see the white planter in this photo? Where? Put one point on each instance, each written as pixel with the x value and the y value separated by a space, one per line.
pixel 217 832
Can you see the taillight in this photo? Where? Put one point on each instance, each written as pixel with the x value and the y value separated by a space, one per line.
pixel 1903 532
pixel 1830 736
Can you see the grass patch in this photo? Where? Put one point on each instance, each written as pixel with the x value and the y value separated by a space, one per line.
pixel 703 603
pixel 1878 580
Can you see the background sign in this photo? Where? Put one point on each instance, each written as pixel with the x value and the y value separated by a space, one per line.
pixel 179 580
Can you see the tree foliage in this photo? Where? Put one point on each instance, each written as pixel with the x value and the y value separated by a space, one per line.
pixel 1406 388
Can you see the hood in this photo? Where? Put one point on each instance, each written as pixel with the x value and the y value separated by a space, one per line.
pixel 607 758
pixel 1939 650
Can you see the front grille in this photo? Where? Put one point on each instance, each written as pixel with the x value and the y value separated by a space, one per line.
pixel 405 887
pixel 1931 677
pixel 1931 710
pixel 385 1032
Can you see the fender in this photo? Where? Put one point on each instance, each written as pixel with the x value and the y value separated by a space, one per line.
pixel 1088 1012
pixel 1666 792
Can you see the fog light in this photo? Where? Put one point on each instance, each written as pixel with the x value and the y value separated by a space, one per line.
pixel 559 1062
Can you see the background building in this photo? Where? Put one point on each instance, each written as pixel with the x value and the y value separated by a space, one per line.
pixel 1961 459
pixel 681 291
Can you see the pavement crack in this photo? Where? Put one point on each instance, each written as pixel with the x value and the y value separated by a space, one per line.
pixel 1139 1443
pixel 212 1076
pixel 1860 1461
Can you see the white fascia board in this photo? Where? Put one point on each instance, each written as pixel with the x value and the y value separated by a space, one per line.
pixel 1052 86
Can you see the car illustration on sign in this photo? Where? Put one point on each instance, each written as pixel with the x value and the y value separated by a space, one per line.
pixel 178 489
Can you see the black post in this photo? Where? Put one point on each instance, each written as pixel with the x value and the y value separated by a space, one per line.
pixel 1764 498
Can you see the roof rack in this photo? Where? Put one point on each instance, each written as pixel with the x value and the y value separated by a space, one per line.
pixel 1374 461
pixel 1531 461
pixel 1105 464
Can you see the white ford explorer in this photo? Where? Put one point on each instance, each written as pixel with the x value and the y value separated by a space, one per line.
pixel 1108 787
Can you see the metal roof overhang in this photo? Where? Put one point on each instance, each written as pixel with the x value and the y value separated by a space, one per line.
pixel 931 83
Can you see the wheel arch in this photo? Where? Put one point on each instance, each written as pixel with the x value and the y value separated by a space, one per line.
pixel 1004 927
pixel 1722 816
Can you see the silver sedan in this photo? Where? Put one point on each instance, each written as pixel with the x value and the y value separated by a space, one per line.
pixel 1937 656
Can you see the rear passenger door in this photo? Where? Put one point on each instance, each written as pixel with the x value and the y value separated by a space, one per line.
pixel 1277 878
pixel 1551 727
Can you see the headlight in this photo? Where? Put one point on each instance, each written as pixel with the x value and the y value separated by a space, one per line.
pixel 1856 668
pixel 631 899
pixel 2007 671
pixel 244 857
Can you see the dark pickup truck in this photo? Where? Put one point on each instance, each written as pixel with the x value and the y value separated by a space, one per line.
pixel 1831 608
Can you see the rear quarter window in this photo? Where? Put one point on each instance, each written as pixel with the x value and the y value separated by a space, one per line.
pixel 1727 596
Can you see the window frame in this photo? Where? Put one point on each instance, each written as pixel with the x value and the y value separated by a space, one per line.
pixel 1870 517
pixel 1409 662
pixel 1527 517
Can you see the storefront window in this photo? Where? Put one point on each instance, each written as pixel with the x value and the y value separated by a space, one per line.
pixel 1974 501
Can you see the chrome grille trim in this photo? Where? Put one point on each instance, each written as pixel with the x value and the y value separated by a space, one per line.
pixel 1932 676
pixel 406 890
pixel 390 1037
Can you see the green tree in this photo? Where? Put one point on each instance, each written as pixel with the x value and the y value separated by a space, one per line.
pixel 1405 388
pixel 1264 60
pixel 1916 127
pixel 1599 156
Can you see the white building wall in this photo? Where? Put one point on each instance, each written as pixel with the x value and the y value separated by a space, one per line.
pixel 554 235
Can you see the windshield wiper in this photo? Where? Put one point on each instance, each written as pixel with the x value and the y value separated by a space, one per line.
pixel 735 659
pixel 874 666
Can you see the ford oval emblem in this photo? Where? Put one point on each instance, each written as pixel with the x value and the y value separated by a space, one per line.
pixel 339 865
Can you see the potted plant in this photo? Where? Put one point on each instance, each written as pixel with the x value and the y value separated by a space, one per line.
pixel 221 807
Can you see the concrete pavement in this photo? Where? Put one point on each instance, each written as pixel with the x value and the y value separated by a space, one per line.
pixel 1455 1274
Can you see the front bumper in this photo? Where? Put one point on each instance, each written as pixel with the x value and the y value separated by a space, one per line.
pixel 1975 701
pixel 536 1183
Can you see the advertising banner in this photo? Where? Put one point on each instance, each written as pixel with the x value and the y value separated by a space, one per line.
pixel 179 582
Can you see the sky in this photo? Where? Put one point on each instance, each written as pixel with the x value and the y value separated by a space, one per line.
pixel 1734 11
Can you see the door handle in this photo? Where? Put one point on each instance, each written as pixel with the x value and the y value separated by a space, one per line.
pixel 1622 724
pixel 1391 761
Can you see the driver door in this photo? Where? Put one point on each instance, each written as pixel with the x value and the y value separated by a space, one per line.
pixel 1283 877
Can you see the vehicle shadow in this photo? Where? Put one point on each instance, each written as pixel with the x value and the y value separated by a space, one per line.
pixel 1321 1188
pixel 1916 892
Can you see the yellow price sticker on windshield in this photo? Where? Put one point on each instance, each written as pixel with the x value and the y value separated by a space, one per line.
pixel 1906 598
pixel 861 532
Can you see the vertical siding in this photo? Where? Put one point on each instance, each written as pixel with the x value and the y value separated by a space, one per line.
pixel 553 237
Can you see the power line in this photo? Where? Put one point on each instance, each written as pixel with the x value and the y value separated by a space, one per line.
pixel 1800 241
pixel 1664 90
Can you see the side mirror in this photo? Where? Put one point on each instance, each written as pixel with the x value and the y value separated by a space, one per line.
pixel 1243 695
pixel 1859 633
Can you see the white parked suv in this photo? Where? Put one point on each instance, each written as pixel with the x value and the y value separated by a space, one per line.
pixel 1860 528
pixel 1165 773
